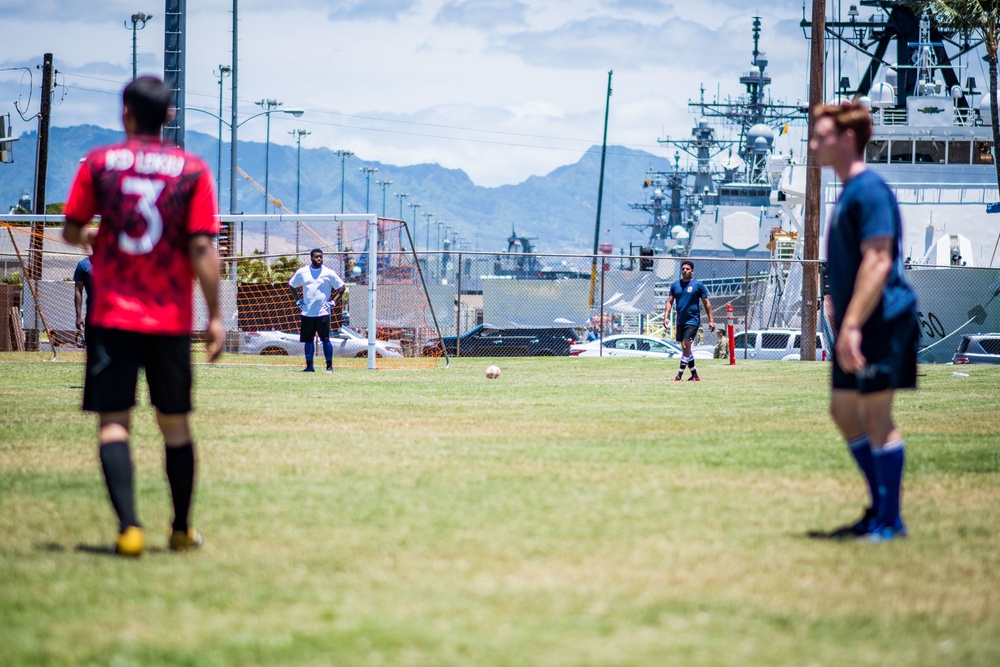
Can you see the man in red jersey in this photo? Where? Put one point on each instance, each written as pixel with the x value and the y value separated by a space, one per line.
pixel 158 223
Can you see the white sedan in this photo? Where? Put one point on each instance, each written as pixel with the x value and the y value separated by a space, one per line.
pixel 346 343
pixel 632 345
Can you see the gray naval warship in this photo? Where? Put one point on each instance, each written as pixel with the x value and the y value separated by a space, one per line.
pixel 725 212
pixel 932 142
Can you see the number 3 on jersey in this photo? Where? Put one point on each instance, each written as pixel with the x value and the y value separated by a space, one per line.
pixel 148 192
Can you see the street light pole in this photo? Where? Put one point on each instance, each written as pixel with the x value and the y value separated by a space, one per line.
pixel 401 196
pixel 139 17
pixel 234 128
pixel 384 185
pixel 268 105
pixel 298 134
pixel 427 232
pixel 414 206
pixel 440 224
pixel 368 181
pixel 224 71
pixel 343 155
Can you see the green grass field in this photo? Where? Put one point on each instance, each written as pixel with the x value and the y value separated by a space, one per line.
pixel 576 512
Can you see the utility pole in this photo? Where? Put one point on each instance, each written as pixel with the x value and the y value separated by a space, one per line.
pixel 814 182
pixel 600 194
pixel 41 168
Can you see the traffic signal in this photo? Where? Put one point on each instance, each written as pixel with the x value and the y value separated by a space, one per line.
pixel 645 259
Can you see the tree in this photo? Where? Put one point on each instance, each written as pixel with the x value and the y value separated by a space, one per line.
pixel 256 270
pixel 981 17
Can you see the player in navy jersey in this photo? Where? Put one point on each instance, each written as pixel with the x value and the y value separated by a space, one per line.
pixel 83 293
pixel 687 295
pixel 872 310
pixel 158 223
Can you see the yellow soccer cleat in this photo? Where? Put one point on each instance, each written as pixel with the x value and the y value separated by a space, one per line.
pixel 130 543
pixel 185 541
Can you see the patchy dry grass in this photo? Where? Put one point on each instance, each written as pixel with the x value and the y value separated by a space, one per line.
pixel 575 512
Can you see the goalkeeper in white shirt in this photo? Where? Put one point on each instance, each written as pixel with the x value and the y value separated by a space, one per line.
pixel 322 289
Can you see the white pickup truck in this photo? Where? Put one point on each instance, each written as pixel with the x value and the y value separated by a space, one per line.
pixel 783 344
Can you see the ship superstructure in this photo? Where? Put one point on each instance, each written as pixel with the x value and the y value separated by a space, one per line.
pixel 933 144
pixel 724 210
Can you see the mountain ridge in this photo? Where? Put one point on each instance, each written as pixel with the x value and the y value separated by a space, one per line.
pixel 558 208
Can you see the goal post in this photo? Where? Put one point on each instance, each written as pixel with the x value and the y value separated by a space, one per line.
pixel 384 322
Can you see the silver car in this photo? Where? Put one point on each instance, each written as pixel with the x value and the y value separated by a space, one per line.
pixel 631 345
pixel 978 349
pixel 346 343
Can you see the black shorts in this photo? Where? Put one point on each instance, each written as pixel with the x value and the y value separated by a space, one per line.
pixel 890 349
pixel 113 361
pixel 314 326
pixel 687 332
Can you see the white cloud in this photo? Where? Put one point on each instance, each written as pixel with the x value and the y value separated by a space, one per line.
pixel 502 89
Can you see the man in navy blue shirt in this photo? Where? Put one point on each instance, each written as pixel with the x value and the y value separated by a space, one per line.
pixel 82 293
pixel 687 295
pixel 873 313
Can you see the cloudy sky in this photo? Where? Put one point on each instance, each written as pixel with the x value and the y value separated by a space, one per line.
pixel 503 89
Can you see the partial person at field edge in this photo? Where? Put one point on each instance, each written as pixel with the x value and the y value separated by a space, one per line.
pixel 158 224
pixel 873 312
pixel 687 295
pixel 82 294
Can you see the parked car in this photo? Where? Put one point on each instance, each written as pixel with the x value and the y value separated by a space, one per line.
pixel 632 345
pixel 783 344
pixel 978 349
pixel 487 341
pixel 346 343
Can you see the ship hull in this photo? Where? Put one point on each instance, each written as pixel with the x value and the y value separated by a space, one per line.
pixel 952 301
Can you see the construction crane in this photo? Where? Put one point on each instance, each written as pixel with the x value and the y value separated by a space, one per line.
pixel 281 207
pixel 274 200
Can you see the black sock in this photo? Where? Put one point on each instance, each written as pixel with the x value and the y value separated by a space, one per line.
pixel 180 475
pixel 691 366
pixel 116 462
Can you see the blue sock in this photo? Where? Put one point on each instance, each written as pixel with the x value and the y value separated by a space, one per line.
pixel 310 353
pixel 861 450
pixel 328 351
pixel 889 463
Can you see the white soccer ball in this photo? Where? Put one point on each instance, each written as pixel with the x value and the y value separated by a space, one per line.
pixel 493 372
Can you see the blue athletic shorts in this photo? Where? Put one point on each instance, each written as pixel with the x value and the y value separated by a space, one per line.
pixel 890 348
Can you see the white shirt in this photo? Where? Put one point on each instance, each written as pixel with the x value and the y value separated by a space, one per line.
pixel 316 284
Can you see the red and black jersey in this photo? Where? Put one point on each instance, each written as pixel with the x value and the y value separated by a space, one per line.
pixel 152 198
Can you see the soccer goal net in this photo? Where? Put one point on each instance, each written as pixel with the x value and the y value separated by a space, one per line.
pixel 383 321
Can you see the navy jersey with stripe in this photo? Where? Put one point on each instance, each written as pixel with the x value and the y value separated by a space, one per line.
pixel 687 298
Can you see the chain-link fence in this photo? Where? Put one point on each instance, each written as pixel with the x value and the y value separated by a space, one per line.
pixel 468 303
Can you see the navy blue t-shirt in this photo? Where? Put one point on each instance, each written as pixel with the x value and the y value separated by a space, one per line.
pixel 867 209
pixel 687 298
pixel 83 274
